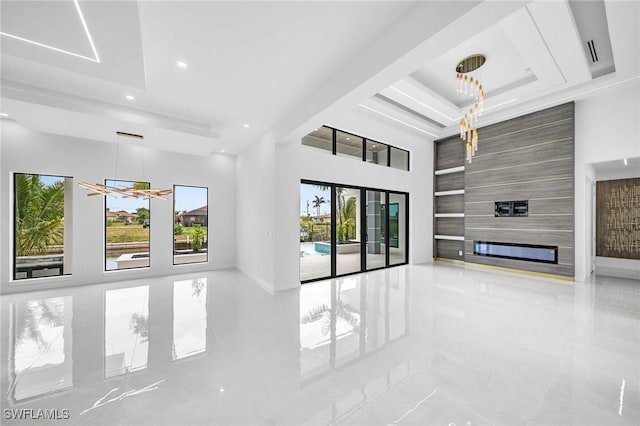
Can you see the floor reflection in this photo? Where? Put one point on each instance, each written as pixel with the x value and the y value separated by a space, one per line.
pixel 189 318
pixel 417 344
pixel 40 360
pixel 126 330
pixel 347 318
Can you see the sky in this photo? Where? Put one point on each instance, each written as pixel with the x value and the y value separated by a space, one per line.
pixel 186 198
pixel 308 192
pixel 49 180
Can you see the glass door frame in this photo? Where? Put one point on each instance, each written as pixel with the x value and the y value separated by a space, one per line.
pixel 363 231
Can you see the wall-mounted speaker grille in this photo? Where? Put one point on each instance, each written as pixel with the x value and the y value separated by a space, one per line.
pixel 592 51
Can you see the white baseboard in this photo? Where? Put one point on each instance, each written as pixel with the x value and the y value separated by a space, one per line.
pixel 259 281
pixel 621 268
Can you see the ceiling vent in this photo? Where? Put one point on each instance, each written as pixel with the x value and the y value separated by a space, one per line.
pixel 591 21
pixel 592 51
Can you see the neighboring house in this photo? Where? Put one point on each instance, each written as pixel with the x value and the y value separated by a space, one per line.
pixel 121 215
pixel 200 216
pixel 324 218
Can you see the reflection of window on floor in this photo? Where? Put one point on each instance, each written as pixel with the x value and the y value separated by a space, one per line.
pixel 189 318
pixel 126 330
pixel 348 409
pixel 43 220
pixel 40 347
pixel 346 320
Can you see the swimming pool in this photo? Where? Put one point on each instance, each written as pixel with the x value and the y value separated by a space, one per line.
pixel 308 249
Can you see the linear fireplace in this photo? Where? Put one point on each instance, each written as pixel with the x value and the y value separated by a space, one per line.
pixel 528 252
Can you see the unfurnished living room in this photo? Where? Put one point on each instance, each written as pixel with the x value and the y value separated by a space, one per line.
pixel 320 212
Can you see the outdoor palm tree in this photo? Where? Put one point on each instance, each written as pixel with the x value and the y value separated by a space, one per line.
pixel 349 217
pixel 317 202
pixel 39 214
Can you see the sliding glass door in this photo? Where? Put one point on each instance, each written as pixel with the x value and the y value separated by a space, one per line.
pixel 397 228
pixel 347 216
pixel 347 229
pixel 376 246
pixel 316 242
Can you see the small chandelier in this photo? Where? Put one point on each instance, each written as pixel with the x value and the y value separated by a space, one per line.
pixel 122 191
pixel 467 83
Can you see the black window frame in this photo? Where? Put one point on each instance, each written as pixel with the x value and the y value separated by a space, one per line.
pixel 362 206
pixel 104 208
pixel 364 140
pixel 14 279
pixel 173 258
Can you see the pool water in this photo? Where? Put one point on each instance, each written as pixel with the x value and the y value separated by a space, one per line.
pixel 308 249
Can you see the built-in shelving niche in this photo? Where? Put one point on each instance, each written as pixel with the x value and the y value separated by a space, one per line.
pixel 448 189
pixel 519 189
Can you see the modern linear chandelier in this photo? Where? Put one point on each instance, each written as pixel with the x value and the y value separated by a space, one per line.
pixel 467 83
pixel 135 191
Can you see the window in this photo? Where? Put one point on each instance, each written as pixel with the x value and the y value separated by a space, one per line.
pixel 315 231
pixel 399 158
pixel 42 225
pixel 127 229
pixel 346 230
pixel 377 152
pixel 190 225
pixel 347 216
pixel 397 228
pixel 346 144
pixel 321 138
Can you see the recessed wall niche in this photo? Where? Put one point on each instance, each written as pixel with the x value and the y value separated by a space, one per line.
pixel 618 218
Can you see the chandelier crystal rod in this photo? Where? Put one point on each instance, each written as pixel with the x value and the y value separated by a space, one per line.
pixel 468 84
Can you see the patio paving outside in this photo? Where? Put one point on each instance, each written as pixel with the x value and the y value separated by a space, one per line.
pixel 320 266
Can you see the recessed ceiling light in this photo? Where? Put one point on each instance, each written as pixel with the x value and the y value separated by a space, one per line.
pixel 222 150
pixel 373 146
pixel 130 97
pixel 348 139
pixel 182 64
pixel 246 126
pixel 4 114
pixel 221 389
pixel 625 162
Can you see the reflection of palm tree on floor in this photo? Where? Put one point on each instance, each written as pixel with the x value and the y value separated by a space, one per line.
pixel 140 326
pixel 29 322
pixel 323 312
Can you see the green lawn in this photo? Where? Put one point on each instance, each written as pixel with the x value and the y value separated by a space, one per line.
pixel 136 233
pixel 127 234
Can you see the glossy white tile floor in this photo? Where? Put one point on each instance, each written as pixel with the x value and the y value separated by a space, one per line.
pixel 409 345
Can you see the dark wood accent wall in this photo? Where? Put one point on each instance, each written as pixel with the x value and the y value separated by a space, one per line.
pixel 449 153
pixel 525 158
pixel 618 218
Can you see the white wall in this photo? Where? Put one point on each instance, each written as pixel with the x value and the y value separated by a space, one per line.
pixel 607 127
pixel 256 209
pixel 28 151
pixel 269 182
